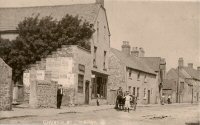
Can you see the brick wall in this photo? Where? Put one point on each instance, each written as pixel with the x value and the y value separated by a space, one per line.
pixel 5 86
pixel 43 94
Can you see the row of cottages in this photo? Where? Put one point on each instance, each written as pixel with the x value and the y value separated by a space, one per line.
pixel 87 74
pixel 141 76
pixel 182 83
pixel 83 73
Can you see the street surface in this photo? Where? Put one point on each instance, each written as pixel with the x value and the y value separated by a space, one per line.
pixel 174 114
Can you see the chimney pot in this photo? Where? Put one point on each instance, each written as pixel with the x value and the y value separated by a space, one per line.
pixel 190 65
pixel 180 62
pixel 126 48
pixel 198 68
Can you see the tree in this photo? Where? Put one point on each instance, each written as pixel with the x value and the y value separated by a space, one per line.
pixel 39 37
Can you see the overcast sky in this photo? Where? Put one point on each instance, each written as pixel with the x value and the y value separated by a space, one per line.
pixel 164 29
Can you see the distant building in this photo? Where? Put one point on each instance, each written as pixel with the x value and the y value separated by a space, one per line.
pixel 184 82
pixel 83 73
pixel 131 71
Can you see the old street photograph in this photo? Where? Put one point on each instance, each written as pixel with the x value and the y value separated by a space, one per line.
pixel 99 62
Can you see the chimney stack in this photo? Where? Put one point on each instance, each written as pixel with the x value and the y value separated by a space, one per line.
pixel 141 52
pixel 126 48
pixel 101 2
pixel 198 69
pixel 190 65
pixel 135 52
pixel 180 62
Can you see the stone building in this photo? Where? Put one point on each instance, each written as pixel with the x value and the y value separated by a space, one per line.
pixel 83 73
pixel 184 81
pixel 129 70
pixel 5 86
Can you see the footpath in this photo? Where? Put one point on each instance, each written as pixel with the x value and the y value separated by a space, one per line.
pixel 25 111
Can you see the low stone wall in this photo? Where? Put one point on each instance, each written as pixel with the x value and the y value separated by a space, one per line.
pixel 43 94
pixel 5 86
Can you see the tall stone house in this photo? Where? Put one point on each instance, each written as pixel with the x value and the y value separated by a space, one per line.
pixel 183 83
pixel 83 73
pixel 133 72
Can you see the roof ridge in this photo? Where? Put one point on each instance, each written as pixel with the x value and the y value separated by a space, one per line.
pixel 46 6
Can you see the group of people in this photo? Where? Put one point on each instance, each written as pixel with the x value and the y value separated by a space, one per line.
pixel 125 100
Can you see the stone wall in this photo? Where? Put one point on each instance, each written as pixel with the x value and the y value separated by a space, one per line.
pixel 5 86
pixel 43 94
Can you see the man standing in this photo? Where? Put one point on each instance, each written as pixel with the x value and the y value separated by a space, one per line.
pixel 59 96
pixel 118 98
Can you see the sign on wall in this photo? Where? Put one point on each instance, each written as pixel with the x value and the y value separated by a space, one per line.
pixel 40 74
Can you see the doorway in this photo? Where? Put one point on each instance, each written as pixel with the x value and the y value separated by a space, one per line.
pixel 87 84
pixel 149 95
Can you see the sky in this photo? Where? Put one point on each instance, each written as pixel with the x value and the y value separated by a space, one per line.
pixel 168 29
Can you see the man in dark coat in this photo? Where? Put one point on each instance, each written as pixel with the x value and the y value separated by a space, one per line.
pixel 59 96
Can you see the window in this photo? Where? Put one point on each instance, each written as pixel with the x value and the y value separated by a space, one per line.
pixel 97 31
pixel 129 89
pixel 133 90
pixel 104 33
pixel 144 92
pixel 99 87
pixel 129 74
pixel 81 68
pixel 95 54
pixel 80 83
pixel 138 76
pixel 145 79
pixel 104 62
pixel 138 89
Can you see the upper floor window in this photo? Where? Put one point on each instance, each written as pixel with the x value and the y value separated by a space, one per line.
pixel 129 73
pixel 138 76
pixel 105 33
pixel 145 78
pixel 95 54
pixel 104 61
pixel 97 31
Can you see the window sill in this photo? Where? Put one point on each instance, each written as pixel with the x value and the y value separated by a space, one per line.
pixel 138 80
pixel 130 78
pixel 105 69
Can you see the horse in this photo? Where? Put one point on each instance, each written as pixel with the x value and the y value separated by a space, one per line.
pixel 120 102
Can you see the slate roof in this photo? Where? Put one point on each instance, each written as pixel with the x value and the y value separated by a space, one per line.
pixel 10 17
pixel 132 62
pixel 185 72
pixel 153 62
pixel 192 72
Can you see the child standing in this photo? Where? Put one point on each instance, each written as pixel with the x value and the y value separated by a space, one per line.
pixel 127 101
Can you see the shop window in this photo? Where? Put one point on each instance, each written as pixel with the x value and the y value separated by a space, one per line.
pixel 99 87
pixel 80 83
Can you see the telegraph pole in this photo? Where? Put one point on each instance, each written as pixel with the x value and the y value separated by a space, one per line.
pixel 178 94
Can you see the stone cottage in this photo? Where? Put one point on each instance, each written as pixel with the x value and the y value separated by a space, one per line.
pixel 83 73
pixel 184 83
pixel 5 86
pixel 133 74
